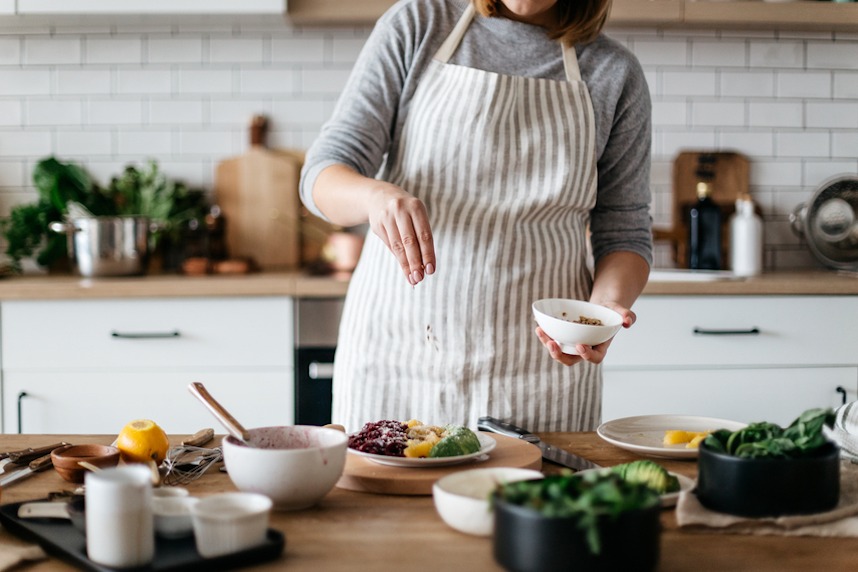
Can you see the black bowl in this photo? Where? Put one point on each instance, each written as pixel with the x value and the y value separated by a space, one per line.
pixel 525 541
pixel 769 487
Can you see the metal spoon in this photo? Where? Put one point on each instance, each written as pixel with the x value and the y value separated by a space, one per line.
pixel 232 426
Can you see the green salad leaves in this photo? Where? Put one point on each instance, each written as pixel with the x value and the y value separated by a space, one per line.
pixel 768 440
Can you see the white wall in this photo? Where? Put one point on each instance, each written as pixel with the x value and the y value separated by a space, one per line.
pixel 107 95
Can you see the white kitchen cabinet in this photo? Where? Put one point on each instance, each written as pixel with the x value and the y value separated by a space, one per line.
pixel 7 7
pixel 151 7
pixel 746 358
pixel 86 366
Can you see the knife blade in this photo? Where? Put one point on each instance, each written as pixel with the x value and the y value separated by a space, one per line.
pixel 35 466
pixel 24 456
pixel 553 454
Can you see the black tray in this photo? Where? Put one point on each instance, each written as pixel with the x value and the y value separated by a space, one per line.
pixel 59 538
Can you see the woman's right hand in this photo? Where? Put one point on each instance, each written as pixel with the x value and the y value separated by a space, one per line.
pixel 400 220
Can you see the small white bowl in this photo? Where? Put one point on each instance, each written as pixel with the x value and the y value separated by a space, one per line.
pixel 173 515
pixel 556 317
pixel 295 465
pixel 230 522
pixel 162 492
pixel 462 498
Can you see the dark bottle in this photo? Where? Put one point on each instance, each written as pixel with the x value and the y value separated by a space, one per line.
pixel 704 231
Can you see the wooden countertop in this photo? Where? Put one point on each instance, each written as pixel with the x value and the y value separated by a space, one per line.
pixel 299 284
pixel 359 531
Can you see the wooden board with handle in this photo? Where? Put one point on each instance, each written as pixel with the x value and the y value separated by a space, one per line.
pixel 258 195
pixel 364 475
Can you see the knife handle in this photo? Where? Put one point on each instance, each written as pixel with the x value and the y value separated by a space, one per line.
pixel 199 438
pixel 26 455
pixel 41 463
pixel 502 427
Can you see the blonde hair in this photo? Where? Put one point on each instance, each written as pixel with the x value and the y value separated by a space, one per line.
pixel 579 21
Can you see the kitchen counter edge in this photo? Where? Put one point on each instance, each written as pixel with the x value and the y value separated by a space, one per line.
pixel 300 285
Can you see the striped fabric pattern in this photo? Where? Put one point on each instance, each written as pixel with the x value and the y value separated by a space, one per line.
pixel 506 166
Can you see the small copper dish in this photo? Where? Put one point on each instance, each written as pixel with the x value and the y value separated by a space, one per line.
pixel 67 460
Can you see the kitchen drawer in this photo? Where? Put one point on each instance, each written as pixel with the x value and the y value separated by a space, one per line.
pixel 146 333
pixel 103 402
pixel 789 330
pixel 778 395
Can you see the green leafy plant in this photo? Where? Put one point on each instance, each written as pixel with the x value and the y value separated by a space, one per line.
pixel 142 191
pixel 768 440
pixel 588 498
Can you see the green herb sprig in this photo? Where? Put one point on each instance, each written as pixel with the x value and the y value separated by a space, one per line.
pixel 768 440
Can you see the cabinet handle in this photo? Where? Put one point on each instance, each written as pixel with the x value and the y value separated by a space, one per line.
pixel 21 397
pixel 706 332
pixel 839 389
pixel 145 335
pixel 320 370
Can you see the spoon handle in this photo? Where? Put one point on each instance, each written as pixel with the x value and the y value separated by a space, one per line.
pixel 232 426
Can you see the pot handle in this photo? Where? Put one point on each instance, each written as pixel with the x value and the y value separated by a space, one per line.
pixel 62 227
pixel 797 219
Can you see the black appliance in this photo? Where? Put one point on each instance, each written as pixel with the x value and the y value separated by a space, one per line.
pixel 317 322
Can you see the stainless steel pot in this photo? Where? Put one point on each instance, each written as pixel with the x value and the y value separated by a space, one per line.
pixel 108 245
pixel 829 222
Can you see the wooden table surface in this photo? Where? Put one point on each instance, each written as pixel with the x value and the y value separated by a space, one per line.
pixel 361 531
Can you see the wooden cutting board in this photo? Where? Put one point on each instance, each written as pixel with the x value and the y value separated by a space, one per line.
pixel 363 475
pixel 258 195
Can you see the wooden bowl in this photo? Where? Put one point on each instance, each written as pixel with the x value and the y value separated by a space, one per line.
pixel 66 459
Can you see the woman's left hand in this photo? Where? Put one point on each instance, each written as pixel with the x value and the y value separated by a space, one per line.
pixel 593 354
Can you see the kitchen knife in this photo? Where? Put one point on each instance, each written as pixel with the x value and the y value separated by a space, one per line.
pixel 24 456
pixel 39 464
pixel 549 452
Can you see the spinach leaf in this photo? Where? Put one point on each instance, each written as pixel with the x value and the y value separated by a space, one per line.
pixel 768 440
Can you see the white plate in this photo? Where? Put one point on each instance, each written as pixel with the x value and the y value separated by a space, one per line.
pixel 486 445
pixel 667 499
pixel 644 434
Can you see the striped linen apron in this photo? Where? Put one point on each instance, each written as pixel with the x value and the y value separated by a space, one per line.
pixel 506 167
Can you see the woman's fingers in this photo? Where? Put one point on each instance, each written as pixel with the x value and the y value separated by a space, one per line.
pixel 403 225
pixel 554 349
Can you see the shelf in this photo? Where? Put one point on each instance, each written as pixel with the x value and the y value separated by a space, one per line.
pixel 336 12
pixel 144 7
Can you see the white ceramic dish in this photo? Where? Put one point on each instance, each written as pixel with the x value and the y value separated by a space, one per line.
pixel 487 444
pixel 555 316
pixel 462 498
pixel 229 522
pixel 644 434
pixel 295 465
pixel 164 492
pixel 173 515
pixel 667 499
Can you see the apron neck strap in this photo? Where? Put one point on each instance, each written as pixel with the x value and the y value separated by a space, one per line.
pixel 448 48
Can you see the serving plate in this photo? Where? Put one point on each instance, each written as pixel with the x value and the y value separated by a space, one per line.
pixel 667 499
pixel 486 446
pixel 644 434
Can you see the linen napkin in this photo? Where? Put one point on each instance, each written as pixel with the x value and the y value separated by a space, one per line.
pixel 841 521
pixel 12 555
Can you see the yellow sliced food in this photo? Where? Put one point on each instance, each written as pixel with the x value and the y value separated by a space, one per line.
pixel 695 442
pixel 692 439
pixel 418 449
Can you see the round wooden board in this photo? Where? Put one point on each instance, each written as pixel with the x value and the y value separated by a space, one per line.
pixel 366 476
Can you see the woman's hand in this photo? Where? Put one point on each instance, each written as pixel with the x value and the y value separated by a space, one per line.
pixel 593 354
pixel 401 221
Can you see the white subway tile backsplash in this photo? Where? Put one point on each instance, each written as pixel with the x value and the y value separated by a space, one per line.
pixel 235 50
pixel 24 82
pixel 844 144
pixel 80 143
pixel 752 83
pixel 210 142
pixel 144 81
pixel 298 50
pixel 54 112
pixel 781 54
pixel 817 172
pixel 10 112
pixel 239 112
pixel 804 84
pixel 720 53
pixel 717 113
pixel 846 85
pixel 750 143
pixel 673 142
pixel 175 112
pixel 833 114
pixel 775 114
pixel 698 83
pixel 29 143
pixel 113 50
pixel 10 51
pixel 661 52
pixel 802 144
pixel 324 81
pixel 206 81
pixel 299 111
pixel 12 174
pixel 268 81
pixel 77 81
pixel 770 173
pixel 670 112
pixel 175 50
pixel 141 144
pixel 52 50
pixel 833 55
pixel 114 112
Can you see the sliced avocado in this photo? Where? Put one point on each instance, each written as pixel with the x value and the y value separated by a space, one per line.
pixel 458 441
pixel 649 473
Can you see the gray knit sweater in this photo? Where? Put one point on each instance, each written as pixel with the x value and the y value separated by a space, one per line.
pixel 368 119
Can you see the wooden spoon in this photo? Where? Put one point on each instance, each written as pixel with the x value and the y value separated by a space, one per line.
pixel 232 426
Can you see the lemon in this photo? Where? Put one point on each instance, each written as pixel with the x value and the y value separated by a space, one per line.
pixel 142 441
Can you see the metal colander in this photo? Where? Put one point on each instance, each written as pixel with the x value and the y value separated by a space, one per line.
pixel 829 222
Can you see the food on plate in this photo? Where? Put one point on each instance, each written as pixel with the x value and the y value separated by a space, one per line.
pixel 414 439
pixel 648 473
pixel 587 321
pixel 142 441
pixel 692 439
pixel 768 440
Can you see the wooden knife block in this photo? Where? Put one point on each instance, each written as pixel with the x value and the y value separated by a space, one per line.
pixel 731 178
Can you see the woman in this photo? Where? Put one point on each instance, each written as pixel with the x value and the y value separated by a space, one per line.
pixel 506 132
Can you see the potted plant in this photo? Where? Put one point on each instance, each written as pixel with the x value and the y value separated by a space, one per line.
pixel 585 522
